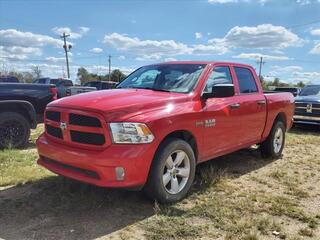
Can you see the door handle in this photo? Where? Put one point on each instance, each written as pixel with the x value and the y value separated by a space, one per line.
pixel 234 105
pixel 262 102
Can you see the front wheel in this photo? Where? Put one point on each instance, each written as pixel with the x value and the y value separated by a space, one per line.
pixel 14 130
pixel 272 147
pixel 172 171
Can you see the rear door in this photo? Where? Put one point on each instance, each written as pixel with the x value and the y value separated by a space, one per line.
pixel 252 109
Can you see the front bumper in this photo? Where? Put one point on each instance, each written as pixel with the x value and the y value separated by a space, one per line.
pixel 301 119
pixel 97 167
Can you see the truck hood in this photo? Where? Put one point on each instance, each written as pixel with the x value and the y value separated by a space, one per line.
pixel 120 104
pixel 309 99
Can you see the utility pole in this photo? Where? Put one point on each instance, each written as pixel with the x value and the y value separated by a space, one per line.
pixel 66 50
pixel 109 61
pixel 261 62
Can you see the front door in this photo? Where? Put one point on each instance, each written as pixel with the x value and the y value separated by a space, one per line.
pixel 221 123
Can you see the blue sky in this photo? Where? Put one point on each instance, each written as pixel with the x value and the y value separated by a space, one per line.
pixel 285 32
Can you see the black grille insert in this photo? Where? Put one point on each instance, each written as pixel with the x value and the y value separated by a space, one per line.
pixel 85 172
pixel 54 131
pixel 53 116
pixel 87 138
pixel 82 120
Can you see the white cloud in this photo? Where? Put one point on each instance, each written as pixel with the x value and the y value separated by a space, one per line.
pixel 122 57
pixel 55 59
pixel 265 36
pixel 316 49
pixel 96 50
pixel 293 74
pixel 148 57
pixel 146 48
pixel 13 37
pixel 256 56
pixel 198 35
pixel 19 53
pixel 309 77
pixel 286 69
pixel 83 30
pixel 156 49
pixel 315 32
pixel 73 35
pixel 210 49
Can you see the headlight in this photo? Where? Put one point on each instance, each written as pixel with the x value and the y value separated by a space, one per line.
pixel 129 132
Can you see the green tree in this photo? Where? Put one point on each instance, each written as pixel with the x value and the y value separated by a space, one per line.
pixel 300 84
pixel 276 82
pixel 84 76
pixel 117 75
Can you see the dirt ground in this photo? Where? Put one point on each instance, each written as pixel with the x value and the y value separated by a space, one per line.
pixel 238 196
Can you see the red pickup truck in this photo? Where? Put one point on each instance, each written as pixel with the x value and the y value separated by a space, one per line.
pixel 159 123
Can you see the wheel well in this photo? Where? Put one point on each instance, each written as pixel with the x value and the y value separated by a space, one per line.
pixel 281 117
pixel 17 108
pixel 186 136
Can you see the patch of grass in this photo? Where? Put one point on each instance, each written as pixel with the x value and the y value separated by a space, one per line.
pixel 19 167
pixel 174 228
pixel 251 236
pixel 306 232
pixel 280 205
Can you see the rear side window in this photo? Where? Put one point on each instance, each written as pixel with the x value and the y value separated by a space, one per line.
pixel 219 75
pixel 247 83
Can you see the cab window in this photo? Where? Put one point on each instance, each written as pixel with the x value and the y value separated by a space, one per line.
pixel 247 83
pixel 219 75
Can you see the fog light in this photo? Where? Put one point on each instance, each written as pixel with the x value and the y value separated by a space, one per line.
pixel 119 173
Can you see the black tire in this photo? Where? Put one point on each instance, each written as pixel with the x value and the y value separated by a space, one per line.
pixel 14 130
pixel 154 187
pixel 268 148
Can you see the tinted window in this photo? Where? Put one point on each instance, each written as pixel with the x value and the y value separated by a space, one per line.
pixel 68 83
pixel 219 75
pixel 55 81
pixel 246 80
pixel 41 80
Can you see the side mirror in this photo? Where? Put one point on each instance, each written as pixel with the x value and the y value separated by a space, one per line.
pixel 220 91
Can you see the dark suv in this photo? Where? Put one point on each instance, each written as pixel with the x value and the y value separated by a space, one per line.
pixel 61 84
pixel 307 109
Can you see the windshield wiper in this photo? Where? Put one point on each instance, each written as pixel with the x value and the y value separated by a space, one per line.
pixel 156 89
pixel 149 88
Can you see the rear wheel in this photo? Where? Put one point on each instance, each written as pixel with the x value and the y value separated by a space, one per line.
pixel 14 130
pixel 272 147
pixel 172 171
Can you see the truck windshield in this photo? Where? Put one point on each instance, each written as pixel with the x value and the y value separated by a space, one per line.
pixel 180 78
pixel 310 90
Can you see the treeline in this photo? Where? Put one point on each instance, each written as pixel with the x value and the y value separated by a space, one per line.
pixel 25 77
pixel 84 76
pixel 277 83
